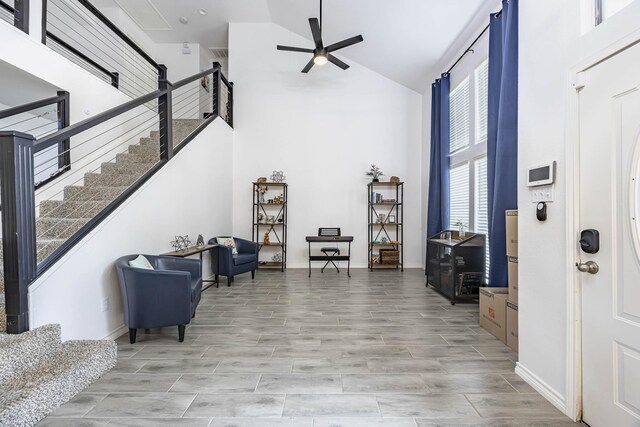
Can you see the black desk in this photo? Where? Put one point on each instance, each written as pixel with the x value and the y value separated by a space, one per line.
pixel 325 258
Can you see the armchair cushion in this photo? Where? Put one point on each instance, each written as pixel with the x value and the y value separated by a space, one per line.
pixel 241 259
pixel 141 262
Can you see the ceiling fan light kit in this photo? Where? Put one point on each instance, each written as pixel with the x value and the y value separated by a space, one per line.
pixel 322 54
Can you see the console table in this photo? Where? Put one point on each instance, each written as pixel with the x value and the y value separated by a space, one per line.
pixel 195 250
pixel 325 258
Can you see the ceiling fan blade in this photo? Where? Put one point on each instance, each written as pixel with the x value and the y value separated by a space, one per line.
pixel 344 43
pixel 308 66
pixel 294 49
pixel 337 62
pixel 315 31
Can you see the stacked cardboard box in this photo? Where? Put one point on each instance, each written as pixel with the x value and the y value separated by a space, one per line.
pixel 512 265
pixel 493 311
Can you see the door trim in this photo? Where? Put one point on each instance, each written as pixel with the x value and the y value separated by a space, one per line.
pixel 573 390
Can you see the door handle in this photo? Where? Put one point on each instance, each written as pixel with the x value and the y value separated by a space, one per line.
pixel 588 267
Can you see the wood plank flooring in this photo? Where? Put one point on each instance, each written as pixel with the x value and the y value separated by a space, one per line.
pixel 378 349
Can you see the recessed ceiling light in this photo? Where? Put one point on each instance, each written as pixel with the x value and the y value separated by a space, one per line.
pixel 202 12
pixel 184 20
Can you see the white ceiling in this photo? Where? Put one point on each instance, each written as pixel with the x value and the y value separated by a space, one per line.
pixel 403 39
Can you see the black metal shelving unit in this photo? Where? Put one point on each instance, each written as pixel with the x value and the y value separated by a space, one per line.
pixel 278 229
pixel 390 203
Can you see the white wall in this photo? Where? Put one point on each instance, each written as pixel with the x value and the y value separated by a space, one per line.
pixel 71 292
pixel 323 129
pixel 551 45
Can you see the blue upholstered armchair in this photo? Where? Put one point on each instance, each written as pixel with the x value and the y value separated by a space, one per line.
pixel 224 263
pixel 165 296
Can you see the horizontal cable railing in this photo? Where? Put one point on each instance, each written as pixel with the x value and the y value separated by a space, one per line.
pixel 111 155
pixel 42 118
pixel 81 33
pixel 6 10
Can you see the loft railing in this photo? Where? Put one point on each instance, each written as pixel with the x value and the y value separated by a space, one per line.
pixel 39 119
pixel 15 12
pixel 111 156
pixel 81 33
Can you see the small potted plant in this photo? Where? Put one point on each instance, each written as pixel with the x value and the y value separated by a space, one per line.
pixel 461 229
pixel 375 173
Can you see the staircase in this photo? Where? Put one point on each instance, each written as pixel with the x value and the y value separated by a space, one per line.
pixel 38 372
pixel 60 219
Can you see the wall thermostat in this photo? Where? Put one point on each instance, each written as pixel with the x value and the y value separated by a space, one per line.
pixel 541 175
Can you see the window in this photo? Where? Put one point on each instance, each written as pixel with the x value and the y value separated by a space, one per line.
pixel 468 158
pixel 459 184
pixel 459 116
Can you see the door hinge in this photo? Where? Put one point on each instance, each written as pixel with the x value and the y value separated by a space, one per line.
pixel 579 80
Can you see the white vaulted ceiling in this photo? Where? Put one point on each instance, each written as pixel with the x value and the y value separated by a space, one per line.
pixel 404 39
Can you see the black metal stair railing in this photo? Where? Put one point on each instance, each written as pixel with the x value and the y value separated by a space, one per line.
pixel 111 155
pixel 80 32
pixel 39 119
pixel 15 12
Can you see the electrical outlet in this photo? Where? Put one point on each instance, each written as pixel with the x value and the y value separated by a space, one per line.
pixel 105 304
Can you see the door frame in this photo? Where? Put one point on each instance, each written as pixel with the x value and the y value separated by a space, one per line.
pixel 577 80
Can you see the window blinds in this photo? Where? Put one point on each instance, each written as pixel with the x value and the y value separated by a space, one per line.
pixel 459 116
pixel 481 212
pixel 459 195
pixel 482 100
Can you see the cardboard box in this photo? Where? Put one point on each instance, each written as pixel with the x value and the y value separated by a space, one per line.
pixel 512 268
pixel 493 306
pixel 512 326
pixel 512 233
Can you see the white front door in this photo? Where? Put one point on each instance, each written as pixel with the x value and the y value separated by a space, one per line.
pixel 610 204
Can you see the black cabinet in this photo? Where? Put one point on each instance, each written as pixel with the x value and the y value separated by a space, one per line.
pixel 455 266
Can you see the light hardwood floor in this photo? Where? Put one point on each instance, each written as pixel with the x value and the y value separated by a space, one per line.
pixel 378 349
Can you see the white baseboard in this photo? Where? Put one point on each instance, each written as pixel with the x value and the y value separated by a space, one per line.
pixel 543 388
pixel 116 333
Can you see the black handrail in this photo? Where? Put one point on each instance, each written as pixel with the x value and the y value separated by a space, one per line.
pixel 68 132
pixel 113 75
pixel 188 80
pixel 30 106
pixel 119 32
pixel 6 7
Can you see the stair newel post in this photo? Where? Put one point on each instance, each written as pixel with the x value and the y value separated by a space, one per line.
pixel 230 105
pixel 17 197
pixel 64 120
pixel 21 15
pixel 165 112
pixel 217 89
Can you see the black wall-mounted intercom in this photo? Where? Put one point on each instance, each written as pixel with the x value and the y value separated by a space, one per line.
pixel 590 241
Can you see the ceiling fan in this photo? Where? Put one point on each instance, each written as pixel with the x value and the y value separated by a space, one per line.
pixel 322 54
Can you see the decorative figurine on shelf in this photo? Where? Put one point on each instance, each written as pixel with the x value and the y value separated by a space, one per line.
pixel 280 219
pixel 276 200
pixel 266 239
pixel 270 219
pixel 261 191
pixel 375 173
pixel 382 218
pixel 394 179
pixel 461 229
pixel 261 180
pixel 200 241
pixel 278 176
pixel 260 218
pixel 384 240
pixel 277 257
pixel 181 242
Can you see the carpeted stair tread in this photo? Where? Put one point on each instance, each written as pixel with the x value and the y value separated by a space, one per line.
pixel 71 208
pixel 125 168
pixel 136 158
pixel 96 192
pixel 21 352
pixel 29 397
pixel 58 228
pixel 110 180
pixel 3 317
